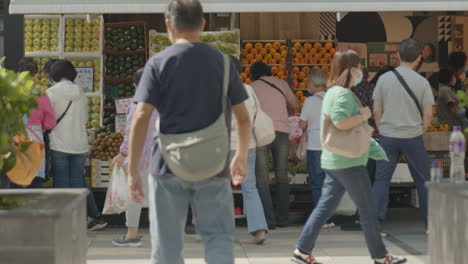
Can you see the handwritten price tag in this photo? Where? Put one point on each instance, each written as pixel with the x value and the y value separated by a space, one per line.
pixel 121 105
pixel 85 78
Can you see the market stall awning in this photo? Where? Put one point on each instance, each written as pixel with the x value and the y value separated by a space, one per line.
pixel 232 6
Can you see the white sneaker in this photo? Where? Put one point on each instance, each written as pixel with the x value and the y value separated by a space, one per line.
pixel 389 259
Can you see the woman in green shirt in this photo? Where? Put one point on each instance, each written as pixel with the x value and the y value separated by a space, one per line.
pixel 345 174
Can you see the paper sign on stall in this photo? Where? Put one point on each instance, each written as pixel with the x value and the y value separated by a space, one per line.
pixel 85 78
pixel 120 123
pixel 121 105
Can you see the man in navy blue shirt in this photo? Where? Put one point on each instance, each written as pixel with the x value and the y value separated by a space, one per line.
pixel 184 83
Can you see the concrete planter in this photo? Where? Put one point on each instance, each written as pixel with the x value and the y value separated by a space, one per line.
pixel 48 226
pixel 448 223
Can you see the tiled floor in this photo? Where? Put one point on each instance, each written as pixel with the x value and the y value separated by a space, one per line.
pixel 335 246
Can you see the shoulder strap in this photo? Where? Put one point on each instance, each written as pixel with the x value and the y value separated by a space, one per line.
pixel 408 90
pixel 273 86
pixel 227 69
pixel 64 113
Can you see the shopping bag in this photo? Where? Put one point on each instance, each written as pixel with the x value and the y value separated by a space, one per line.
pixel 301 151
pixel 117 198
pixel 346 206
pixel 29 161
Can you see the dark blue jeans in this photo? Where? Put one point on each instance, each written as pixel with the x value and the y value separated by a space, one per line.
pixel 418 162
pixel 4 181
pixel 280 150
pixel 356 182
pixel 316 174
pixel 68 171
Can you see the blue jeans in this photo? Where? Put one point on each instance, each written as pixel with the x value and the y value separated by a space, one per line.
pixel 212 204
pixel 280 151
pixel 68 171
pixel 316 174
pixel 356 182
pixel 252 203
pixel 418 162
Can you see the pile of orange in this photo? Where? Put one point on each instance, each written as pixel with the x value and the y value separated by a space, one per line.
pixel 279 72
pixel 269 53
pixel 313 53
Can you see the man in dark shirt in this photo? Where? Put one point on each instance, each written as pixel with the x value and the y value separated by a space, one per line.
pixel 184 83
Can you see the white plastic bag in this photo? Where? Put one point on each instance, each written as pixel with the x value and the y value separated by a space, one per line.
pixel 117 199
pixel 346 206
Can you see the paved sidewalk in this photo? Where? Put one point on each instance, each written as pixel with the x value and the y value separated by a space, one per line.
pixel 407 238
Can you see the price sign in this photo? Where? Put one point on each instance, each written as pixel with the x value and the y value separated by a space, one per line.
pixel 85 78
pixel 122 105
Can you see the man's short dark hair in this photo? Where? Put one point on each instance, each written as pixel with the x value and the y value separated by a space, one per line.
pixel 62 69
pixel 258 70
pixel 29 65
pixel 457 60
pixel 137 76
pixel 185 14
pixel 410 50
pixel 446 75
pixel 48 66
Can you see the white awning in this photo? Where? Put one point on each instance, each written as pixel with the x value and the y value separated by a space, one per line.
pixel 232 6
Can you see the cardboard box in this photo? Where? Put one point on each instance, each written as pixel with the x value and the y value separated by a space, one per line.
pixel 101 172
pixel 301 179
pixel 97 162
pixel 436 141
pixel 100 184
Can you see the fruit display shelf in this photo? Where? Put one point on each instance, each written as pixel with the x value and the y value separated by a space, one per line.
pixel 312 52
pixel 126 38
pixel 81 35
pixel 42 36
pixel 227 42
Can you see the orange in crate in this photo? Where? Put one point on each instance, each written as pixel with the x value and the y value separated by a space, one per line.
pixel 248 46
pixel 284 53
pixel 328 46
pixel 268 57
pixel 245 61
pixel 308 46
pixel 313 51
pixel 285 78
pixel 293 51
pixel 282 61
pixel 324 61
pixel 316 67
pixel 318 56
pixel 268 46
pixel 297 46
pixel 332 51
pixel 247 70
pixel 258 46
pixel 323 51
pixel 295 61
pixel 277 56
pixel 249 57
pixel 272 51
pixel 313 61
pixel 259 57
pixel 284 48
pixel 244 52
pixel 305 69
pixel 305 80
pixel 295 84
pixel 276 45
pixel 303 98
pixel 299 56
pixel 303 51
pixel 280 74
pixel 318 45
pixel 265 61
pixel 273 61
pixel 282 68
pixel 294 76
pixel 325 68
pixel 301 76
pixel 299 94
pixel 309 56
pixel 302 85
pixel 254 51
pixel 328 56
pixel 243 76
pixel 253 61
pixel 274 70
pixel 304 61
pixel 296 70
pixel 263 52
pixel 248 81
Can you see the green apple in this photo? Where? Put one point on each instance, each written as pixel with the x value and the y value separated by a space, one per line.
pixel 45 28
pixel 37 22
pixel 70 36
pixel 70 29
pixel 45 42
pixel 78 43
pixel 70 22
pixel 78 29
pixel 95 124
pixel 95 43
pixel 96 29
pixel 54 42
pixel 37 28
pixel 36 48
pixel 28 49
pixel 78 49
pixel 28 22
pixel 69 42
pixel 53 47
pixel 96 36
pixel 89 64
pixel 45 35
pixel 87 36
pixel 45 47
pixel 28 29
pixel 36 42
pixel 87 29
pixel 96 100
pixel 95 108
pixel 54 28
pixel 86 43
pixel 37 35
pixel 96 22
pixel 28 42
pixel 68 49
pixel 79 21
pixel 55 22
pixel 28 35
pixel 86 49
pixel 82 64
pixel 78 36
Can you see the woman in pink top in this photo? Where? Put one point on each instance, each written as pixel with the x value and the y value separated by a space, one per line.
pixel 40 119
pixel 275 97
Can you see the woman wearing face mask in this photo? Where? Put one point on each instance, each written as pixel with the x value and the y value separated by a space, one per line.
pixel 345 174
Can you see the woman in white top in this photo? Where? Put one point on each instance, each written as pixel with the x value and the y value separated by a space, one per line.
pixel 310 120
pixel 69 140
pixel 256 222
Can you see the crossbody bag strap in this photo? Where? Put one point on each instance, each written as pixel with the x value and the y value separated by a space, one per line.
pixel 273 86
pixel 227 62
pixel 61 117
pixel 408 90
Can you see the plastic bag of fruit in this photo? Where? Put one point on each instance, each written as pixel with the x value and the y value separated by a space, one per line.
pixel 117 198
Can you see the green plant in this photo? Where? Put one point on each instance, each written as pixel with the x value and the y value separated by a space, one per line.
pixel 16 100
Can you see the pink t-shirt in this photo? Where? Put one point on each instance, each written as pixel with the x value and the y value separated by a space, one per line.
pixel 273 103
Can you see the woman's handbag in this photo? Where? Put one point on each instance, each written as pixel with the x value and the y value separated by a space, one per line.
pixel 351 143
pixel 29 161
pixel 263 128
pixel 301 151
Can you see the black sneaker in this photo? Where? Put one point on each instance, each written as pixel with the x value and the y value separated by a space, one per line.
pixel 96 223
pixel 301 258
pixel 389 259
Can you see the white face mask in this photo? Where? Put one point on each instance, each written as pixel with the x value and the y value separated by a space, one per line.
pixel 358 80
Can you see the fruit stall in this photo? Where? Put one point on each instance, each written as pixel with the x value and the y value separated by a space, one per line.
pixel 291 38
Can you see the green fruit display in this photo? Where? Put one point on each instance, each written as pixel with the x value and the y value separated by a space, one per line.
pixel 40 34
pixel 79 33
pixel 161 40
pixel 208 37
pixel 125 39
pixel 123 66
pixel 94 109
pixel 227 48
pixel 107 145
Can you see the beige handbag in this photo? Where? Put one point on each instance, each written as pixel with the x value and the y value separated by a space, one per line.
pixel 263 127
pixel 352 143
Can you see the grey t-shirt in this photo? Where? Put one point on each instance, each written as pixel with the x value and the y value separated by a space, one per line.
pixel 400 117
